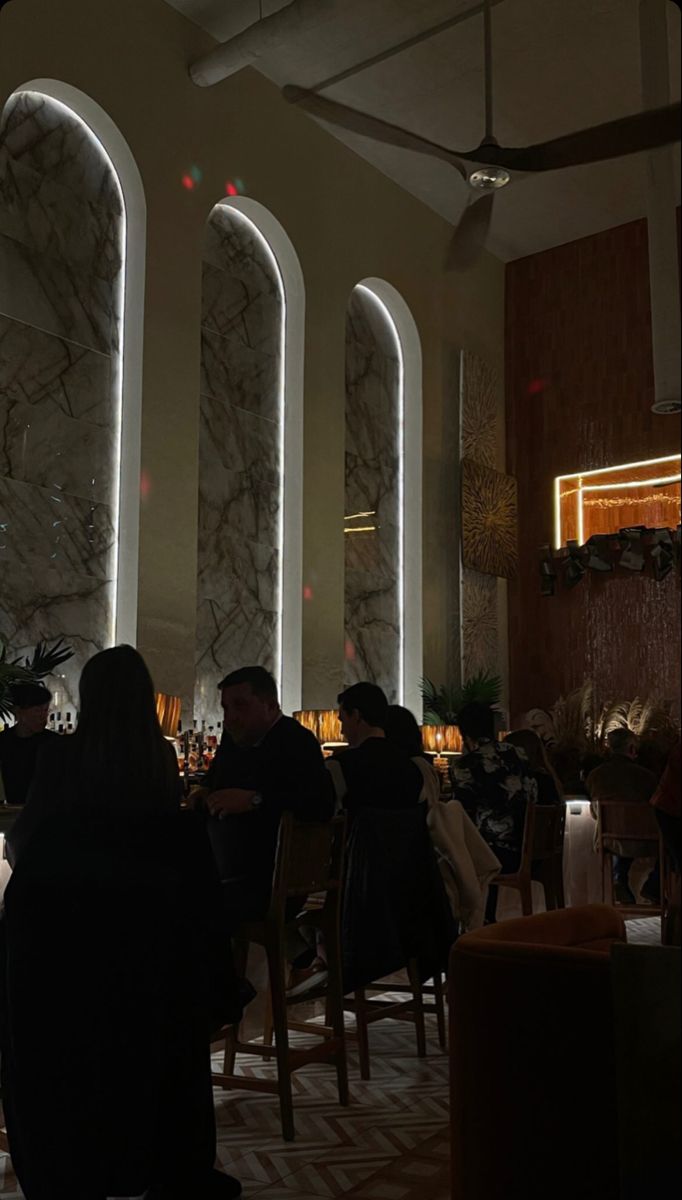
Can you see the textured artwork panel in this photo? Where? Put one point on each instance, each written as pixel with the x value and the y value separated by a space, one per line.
pixel 480 419
pixel 480 624
pixel 489 520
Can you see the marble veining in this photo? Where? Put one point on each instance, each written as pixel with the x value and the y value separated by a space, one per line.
pixel 238 605
pixel 57 298
pixel 57 452
pixel 60 238
pixel 50 219
pixel 54 375
pixel 40 133
pixel 372 559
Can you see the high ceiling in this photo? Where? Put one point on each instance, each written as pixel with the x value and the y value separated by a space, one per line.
pixel 560 65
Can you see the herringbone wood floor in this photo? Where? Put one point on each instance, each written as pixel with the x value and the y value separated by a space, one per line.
pixel 391 1144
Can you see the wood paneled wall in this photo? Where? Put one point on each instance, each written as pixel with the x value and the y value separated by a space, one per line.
pixel 580 387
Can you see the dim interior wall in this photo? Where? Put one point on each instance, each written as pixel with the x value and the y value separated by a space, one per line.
pixel 346 222
pixel 580 386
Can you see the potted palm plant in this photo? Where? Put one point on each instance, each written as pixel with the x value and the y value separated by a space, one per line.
pixel 43 661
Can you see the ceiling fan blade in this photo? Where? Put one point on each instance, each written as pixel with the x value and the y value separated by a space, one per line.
pixel 470 236
pixel 616 139
pixel 372 127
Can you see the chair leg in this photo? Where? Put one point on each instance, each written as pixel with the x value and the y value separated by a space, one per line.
pixel 277 967
pixel 335 1018
pixel 268 1024
pixel 362 1031
pixel 230 1053
pixel 418 997
pixel 440 1011
pixel 527 898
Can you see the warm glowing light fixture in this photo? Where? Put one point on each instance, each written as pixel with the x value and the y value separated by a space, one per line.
pixel 604 501
pixel 324 723
pixel 168 710
pixel 441 739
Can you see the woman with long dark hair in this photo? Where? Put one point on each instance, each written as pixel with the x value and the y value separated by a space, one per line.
pixel 116 965
pixel 549 786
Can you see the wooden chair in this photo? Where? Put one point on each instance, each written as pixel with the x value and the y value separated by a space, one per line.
pixel 309 860
pixel 367 1011
pixel 541 857
pixel 630 825
pixel 548 853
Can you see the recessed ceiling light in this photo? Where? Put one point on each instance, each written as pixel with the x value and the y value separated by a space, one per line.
pixel 666 408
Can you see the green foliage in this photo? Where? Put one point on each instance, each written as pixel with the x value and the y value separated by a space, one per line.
pixel 43 661
pixel 442 704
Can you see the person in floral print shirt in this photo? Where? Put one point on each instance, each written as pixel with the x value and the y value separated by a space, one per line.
pixel 494 783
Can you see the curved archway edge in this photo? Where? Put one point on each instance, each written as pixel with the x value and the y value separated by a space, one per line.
pixel 117 150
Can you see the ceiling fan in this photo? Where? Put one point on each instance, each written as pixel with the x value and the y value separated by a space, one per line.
pixel 490 167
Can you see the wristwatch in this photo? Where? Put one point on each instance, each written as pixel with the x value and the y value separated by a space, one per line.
pixel 257 800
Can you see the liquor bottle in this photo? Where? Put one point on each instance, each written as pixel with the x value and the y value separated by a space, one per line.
pixel 51 723
pixel 69 725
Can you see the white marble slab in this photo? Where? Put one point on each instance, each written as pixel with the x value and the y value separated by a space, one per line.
pixel 239 459
pixel 53 375
pixel 60 221
pixel 44 292
pixel 50 219
pixel 372 559
pixel 38 132
pixel 57 452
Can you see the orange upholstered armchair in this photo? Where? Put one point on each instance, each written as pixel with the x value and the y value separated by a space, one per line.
pixel 533 1105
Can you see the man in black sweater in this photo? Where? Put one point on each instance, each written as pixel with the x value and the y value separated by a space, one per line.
pixel 267 764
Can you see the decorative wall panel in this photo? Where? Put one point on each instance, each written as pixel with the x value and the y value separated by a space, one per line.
pixel 240 509
pixel 373 518
pixel 61 240
pixel 482 644
pixel 579 393
pixel 489 542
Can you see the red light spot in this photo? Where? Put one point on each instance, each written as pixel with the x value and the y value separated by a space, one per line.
pixel 537 386
pixel 350 651
pixel 231 189
pixel 307 592
pixel 145 485
pixel 188 183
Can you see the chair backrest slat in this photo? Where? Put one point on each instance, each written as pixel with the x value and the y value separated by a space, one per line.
pixel 309 857
pixel 547 830
pixel 626 821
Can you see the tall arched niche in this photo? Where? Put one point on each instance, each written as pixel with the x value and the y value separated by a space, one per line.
pixel 72 241
pixel 383 526
pixel 249 600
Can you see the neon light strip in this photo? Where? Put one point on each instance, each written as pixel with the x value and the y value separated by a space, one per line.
pixel 647 462
pixel 237 212
pixel 117 359
pixel 635 483
pixel 401 483
pixel 578 476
